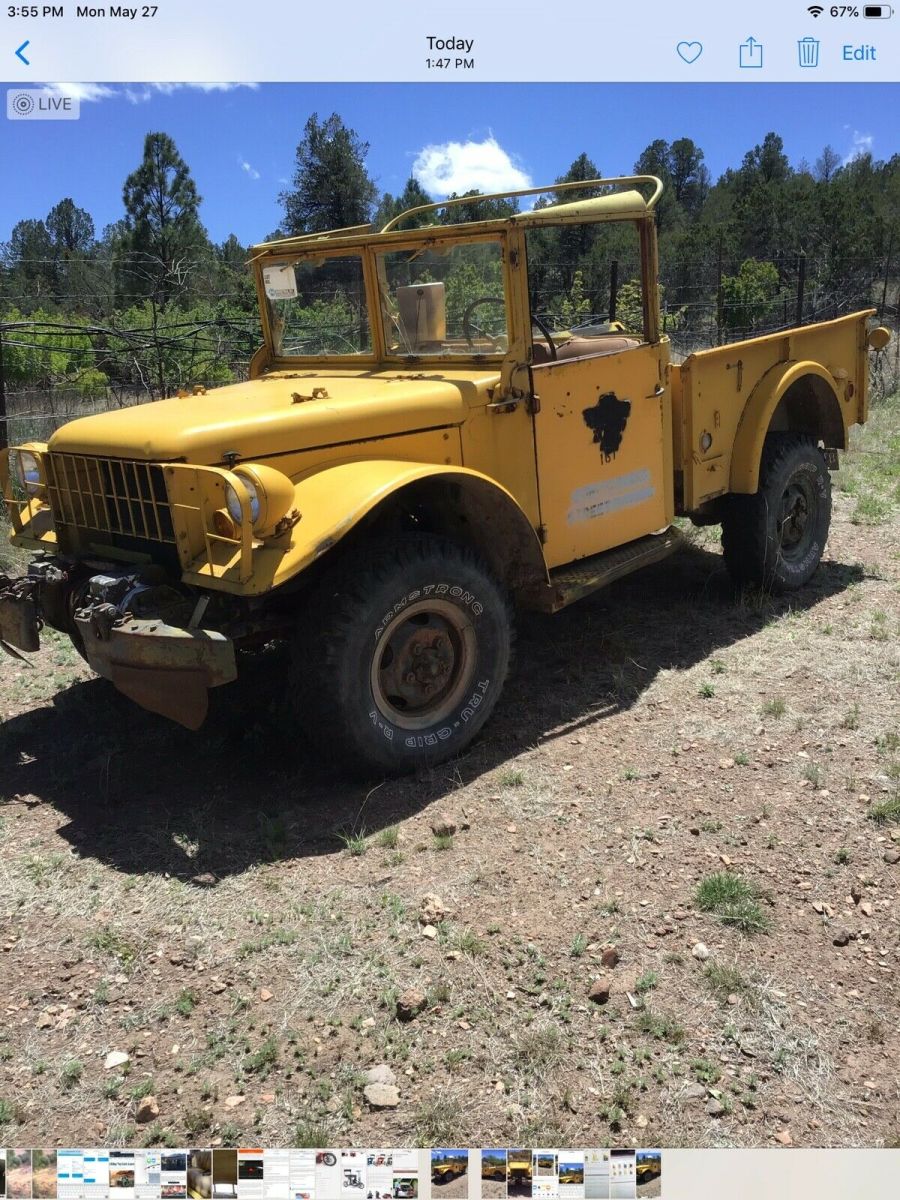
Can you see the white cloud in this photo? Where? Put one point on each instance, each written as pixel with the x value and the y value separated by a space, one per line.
pixel 462 166
pixel 138 93
pixel 85 92
pixel 863 143
pixel 247 168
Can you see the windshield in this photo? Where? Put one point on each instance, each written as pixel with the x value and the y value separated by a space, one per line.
pixel 317 305
pixel 444 300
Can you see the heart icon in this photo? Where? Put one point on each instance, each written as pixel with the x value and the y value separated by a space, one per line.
pixel 689 51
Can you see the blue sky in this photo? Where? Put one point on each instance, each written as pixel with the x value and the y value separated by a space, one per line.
pixel 239 141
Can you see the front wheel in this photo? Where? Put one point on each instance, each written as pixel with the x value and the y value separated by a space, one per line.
pixel 408 654
pixel 776 537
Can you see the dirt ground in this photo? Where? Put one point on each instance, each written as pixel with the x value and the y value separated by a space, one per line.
pixel 454 1189
pixel 239 922
pixel 652 1187
pixel 43 1183
pixel 493 1189
pixel 18 1183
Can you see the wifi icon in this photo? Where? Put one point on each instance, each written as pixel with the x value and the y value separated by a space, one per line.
pixel 815 10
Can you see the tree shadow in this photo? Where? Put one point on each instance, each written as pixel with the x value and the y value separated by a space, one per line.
pixel 144 796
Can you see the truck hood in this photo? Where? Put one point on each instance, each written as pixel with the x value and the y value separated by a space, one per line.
pixel 277 413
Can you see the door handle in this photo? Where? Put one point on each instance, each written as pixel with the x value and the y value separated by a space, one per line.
pixel 659 390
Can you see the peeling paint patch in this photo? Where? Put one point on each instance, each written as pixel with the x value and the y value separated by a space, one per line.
pixel 607 420
pixel 609 495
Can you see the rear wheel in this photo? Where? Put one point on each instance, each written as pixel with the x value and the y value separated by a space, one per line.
pixel 407 657
pixel 776 537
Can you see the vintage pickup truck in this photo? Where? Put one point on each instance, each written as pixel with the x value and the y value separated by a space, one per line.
pixel 421 446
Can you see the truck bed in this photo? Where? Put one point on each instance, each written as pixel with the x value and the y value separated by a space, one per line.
pixel 720 399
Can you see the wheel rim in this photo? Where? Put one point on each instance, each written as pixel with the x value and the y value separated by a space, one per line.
pixel 796 517
pixel 423 664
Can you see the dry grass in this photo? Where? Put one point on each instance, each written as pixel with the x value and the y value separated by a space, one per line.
pixel 156 886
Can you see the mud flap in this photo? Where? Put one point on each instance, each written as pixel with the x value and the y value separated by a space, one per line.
pixel 181 695
pixel 19 626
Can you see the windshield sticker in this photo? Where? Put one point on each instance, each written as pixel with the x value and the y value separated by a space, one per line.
pixel 280 282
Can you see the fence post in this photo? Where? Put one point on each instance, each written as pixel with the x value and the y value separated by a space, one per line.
pixel 613 288
pixel 887 272
pixel 4 431
pixel 801 285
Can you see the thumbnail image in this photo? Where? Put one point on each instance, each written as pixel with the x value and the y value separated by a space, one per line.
pixel 449 1173
pixel 379 1175
pixel 2 1173
pixel 199 1174
pixel 493 1174
pixel 173 1174
pixel 571 1172
pixel 250 1166
pixel 224 1175
pixel 18 1174
pixel 353 1177
pixel 121 1177
pixel 596 1174
pixel 406 1187
pixel 648 1169
pixel 622 1175
pixel 544 1162
pixel 518 1173
pixel 43 1181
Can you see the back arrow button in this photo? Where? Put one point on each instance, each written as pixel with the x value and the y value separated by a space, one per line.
pixel 21 56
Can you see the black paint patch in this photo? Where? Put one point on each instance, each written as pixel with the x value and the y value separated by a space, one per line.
pixel 607 420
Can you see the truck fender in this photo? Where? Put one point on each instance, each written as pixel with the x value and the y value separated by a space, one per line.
pixel 817 394
pixel 333 500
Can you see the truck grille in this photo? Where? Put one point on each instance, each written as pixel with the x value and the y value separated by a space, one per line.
pixel 109 495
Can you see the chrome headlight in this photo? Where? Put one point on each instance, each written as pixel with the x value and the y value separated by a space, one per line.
pixel 27 471
pixel 234 504
pixel 271 496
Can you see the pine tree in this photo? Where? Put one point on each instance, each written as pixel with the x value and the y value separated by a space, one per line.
pixel 331 188
pixel 166 239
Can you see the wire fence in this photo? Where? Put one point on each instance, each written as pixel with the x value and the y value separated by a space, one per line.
pixel 58 365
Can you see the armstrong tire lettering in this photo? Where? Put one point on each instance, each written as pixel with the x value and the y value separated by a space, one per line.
pixel 405 658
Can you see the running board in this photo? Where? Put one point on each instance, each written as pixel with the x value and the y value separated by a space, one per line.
pixel 580 578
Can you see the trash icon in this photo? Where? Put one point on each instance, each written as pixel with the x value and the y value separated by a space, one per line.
pixel 808 51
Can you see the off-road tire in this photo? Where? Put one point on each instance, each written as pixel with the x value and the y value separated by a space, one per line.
pixel 408 613
pixel 775 538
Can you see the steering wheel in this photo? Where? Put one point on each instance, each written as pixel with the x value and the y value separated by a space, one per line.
pixel 468 326
pixel 548 337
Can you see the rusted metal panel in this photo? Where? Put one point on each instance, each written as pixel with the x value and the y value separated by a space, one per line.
pixel 19 625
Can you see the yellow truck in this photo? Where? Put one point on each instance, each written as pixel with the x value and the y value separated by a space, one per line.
pixel 428 438
pixel 648 1166
pixel 518 1167
pixel 447 1170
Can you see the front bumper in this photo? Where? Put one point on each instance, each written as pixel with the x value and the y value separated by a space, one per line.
pixel 161 667
pixel 164 668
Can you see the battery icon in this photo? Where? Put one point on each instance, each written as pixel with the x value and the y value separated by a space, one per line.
pixel 878 11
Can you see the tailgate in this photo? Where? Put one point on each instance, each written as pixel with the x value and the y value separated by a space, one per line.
pixel 712 393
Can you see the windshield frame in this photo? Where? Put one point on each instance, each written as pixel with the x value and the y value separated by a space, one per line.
pixel 368 251
pixel 410 242
pixel 265 304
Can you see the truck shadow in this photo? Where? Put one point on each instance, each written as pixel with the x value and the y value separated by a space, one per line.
pixel 144 796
